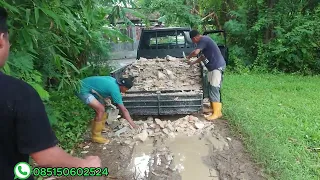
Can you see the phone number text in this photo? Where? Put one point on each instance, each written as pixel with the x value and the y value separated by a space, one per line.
pixel 59 171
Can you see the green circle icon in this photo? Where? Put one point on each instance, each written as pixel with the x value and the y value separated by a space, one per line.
pixel 22 170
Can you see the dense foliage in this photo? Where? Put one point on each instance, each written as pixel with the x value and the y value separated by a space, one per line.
pixel 53 44
pixel 54 40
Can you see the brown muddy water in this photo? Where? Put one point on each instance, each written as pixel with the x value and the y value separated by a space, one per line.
pixel 184 154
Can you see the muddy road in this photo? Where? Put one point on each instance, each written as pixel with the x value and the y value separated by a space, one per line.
pixel 213 155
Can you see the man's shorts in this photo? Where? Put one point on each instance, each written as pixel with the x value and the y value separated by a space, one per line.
pixel 88 98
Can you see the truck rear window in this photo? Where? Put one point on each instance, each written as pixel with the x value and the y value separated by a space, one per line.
pixel 163 40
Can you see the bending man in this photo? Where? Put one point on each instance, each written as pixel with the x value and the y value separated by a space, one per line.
pixel 107 87
pixel 215 63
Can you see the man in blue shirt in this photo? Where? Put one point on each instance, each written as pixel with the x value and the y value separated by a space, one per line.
pixel 215 63
pixel 107 87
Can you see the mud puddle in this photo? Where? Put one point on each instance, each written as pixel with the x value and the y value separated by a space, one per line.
pixel 185 155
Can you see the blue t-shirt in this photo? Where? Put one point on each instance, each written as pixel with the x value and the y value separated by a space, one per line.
pixel 106 86
pixel 212 52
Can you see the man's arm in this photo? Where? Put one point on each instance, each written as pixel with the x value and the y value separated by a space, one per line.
pixel 201 58
pixel 194 53
pixel 117 99
pixel 57 157
pixel 126 115
pixel 34 135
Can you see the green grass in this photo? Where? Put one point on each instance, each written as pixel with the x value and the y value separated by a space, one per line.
pixel 279 118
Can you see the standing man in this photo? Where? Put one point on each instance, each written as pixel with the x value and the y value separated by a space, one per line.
pixel 107 87
pixel 215 63
pixel 24 126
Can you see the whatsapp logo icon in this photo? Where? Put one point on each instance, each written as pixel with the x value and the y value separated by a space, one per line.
pixel 22 170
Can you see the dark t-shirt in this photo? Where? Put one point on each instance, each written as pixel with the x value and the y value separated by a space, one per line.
pixel 212 52
pixel 24 125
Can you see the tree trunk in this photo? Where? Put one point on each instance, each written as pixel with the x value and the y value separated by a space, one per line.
pixel 269 31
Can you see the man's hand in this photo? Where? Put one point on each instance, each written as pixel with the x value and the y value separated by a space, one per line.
pixel 126 115
pixel 193 53
pixel 92 161
pixel 134 126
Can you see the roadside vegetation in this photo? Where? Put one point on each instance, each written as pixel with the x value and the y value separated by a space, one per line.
pixel 270 89
pixel 277 117
pixel 53 45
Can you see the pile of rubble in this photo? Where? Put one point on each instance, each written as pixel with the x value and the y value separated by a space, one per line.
pixel 164 74
pixel 188 125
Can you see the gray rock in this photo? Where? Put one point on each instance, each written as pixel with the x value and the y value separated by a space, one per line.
pixel 159 122
pixel 142 136
pixel 166 131
pixel 170 127
pixel 199 125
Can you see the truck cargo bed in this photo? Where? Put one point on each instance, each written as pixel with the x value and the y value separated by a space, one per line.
pixel 162 102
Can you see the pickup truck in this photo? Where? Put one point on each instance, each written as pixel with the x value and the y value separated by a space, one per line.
pixel 159 43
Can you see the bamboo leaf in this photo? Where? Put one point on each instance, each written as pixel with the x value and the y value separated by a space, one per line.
pixel 52 15
pixel 28 12
pixel 6 69
pixel 9 7
pixel 36 14
pixel 70 64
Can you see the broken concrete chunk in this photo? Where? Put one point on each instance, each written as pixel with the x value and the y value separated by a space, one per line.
pixel 169 157
pixel 159 122
pixel 170 74
pixel 142 136
pixel 149 122
pixel 86 147
pixel 179 129
pixel 193 118
pixel 153 126
pixel 128 142
pixel 145 126
pixel 150 132
pixel 161 75
pixel 158 133
pixel 150 118
pixel 166 131
pixel 164 73
pixel 139 122
pixel 121 131
pixel 171 135
pixel 114 124
pixel 199 125
pixel 170 127
pixel 157 130
pixel 84 152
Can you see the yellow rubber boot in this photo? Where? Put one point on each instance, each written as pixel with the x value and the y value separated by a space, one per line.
pixel 216 107
pixel 96 133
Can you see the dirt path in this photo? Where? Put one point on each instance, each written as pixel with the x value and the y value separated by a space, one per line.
pixel 215 155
